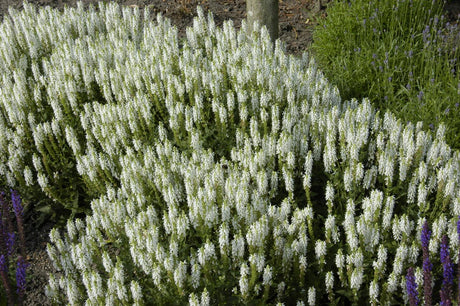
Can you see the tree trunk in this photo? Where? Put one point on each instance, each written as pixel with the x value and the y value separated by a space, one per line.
pixel 265 12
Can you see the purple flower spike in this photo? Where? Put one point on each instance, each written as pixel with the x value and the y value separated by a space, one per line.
pixel 458 267
pixel 18 211
pixel 3 231
pixel 3 266
pixel 448 273
pixel 21 278
pixel 411 287
pixel 16 199
pixel 458 227
pixel 4 277
pixel 427 266
pixel 10 238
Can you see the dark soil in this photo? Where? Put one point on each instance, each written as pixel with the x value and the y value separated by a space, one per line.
pixel 297 19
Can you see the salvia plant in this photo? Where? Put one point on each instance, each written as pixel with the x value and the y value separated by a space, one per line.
pixel 221 170
pixel 12 249
pixel 423 276
pixel 402 54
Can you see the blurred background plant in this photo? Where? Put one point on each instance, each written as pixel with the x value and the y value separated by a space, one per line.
pixel 401 54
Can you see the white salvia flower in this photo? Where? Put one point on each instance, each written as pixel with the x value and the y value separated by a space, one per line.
pixel 300 303
pixel 254 131
pixel 290 160
pixel 136 291
pixel 173 248
pixel 308 169
pixel 405 225
pixel 28 176
pixel 359 173
pixel 317 148
pixel 267 276
pixel 412 190
pixel 456 204
pixel 193 300
pixel 107 262
pixel 329 157
pixel 349 221
pixel 311 296
pixel 340 259
pixel 329 281
pixel 205 299
pixel 196 274
pixel 381 261
pixel 397 234
pixel 72 291
pixel 42 180
pixel 439 227
pixel 262 182
pixel 285 209
pixel 356 258
pixel 180 274
pixel 404 165
pixel 440 132
pixel 369 178
pixel 331 229
pixel 288 180
pixel 243 282
pixel 329 192
pixel 422 171
pixel 356 278
pixel 388 212
pixel 94 286
pixel 209 250
pixel 302 263
pixel 52 254
pixel 419 277
pixel 413 253
pixel 347 179
pixel 320 249
pixel 238 248
pixel 421 195
pixel 449 189
pixel 223 238
pixel 400 257
pixel 156 275
pixel 258 260
pixel 433 245
pixel 71 230
pixel 374 291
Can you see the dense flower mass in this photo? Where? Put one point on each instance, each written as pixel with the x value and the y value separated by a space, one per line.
pixel 222 171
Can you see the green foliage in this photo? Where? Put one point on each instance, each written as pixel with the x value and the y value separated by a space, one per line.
pixel 400 54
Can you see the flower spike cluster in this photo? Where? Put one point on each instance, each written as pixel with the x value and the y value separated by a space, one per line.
pixel 218 168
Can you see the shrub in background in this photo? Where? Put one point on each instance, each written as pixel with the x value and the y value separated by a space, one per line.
pixel 401 54
pixel 229 172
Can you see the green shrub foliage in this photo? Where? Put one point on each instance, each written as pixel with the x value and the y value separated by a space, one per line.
pixel 402 54
pixel 222 170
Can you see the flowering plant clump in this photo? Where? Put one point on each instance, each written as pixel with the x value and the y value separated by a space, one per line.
pixel 14 295
pixel 402 54
pixel 223 170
